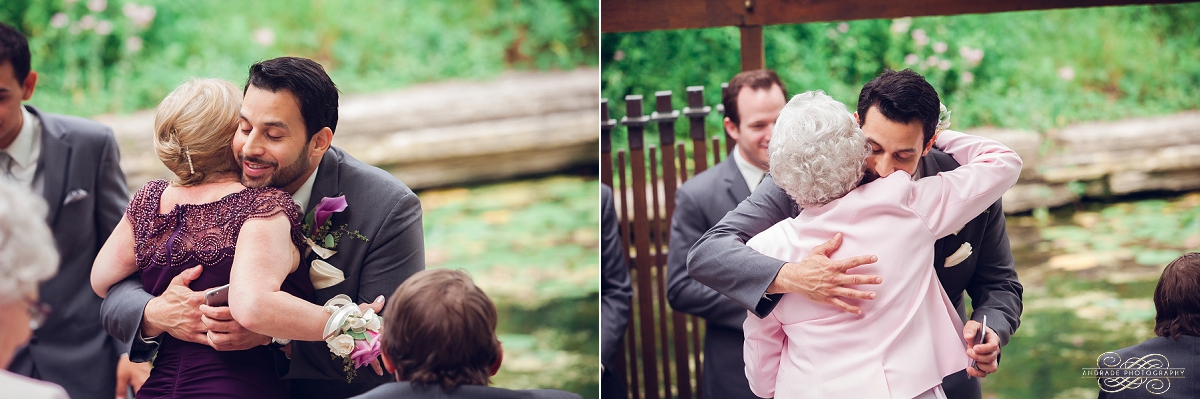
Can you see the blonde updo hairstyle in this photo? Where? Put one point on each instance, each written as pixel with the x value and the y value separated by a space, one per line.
pixel 193 129
pixel 818 152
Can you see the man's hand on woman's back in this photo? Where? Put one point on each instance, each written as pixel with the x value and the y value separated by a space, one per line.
pixel 823 280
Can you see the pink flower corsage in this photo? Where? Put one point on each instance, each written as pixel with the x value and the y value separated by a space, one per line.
pixel 352 334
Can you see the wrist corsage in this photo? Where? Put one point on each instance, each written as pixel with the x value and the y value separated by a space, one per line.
pixel 352 334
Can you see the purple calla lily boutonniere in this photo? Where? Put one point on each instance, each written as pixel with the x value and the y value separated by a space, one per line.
pixel 322 238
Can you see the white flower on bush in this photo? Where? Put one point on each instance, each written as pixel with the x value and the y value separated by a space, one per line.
pixel 264 36
pixel 341 345
pixel 911 59
pixel 97 5
pixel 1066 73
pixel 133 44
pixel 59 20
pixel 920 37
pixel 104 27
pixel 939 47
pixel 901 25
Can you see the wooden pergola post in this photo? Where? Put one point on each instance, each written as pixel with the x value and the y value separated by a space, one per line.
pixel 752 48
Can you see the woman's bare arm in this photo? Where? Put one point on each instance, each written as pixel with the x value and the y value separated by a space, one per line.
pixel 265 256
pixel 116 259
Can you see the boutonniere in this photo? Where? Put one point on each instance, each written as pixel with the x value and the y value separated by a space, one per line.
pixel 322 238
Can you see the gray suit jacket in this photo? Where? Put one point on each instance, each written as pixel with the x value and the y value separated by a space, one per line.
pixel 720 259
pixel 615 291
pixel 1184 353
pixel 384 210
pixel 85 190
pixel 699 204
pixel 406 390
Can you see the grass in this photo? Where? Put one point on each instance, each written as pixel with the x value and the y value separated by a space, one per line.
pixel 367 45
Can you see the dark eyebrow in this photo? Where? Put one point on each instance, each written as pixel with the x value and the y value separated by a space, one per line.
pixel 906 150
pixel 276 124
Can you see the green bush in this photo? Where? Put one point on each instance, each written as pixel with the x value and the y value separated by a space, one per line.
pixel 1036 70
pixel 96 56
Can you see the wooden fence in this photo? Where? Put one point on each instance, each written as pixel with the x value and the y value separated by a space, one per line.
pixel 662 350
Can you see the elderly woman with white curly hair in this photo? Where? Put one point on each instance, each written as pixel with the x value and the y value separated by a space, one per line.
pixel 27 257
pixel 906 340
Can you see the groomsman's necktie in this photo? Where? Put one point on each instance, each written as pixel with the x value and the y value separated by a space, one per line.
pixel 6 162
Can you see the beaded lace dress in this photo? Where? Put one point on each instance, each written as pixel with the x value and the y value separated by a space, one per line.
pixel 206 234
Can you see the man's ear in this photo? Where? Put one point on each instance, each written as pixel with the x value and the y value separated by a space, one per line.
pixel 857 119
pixel 499 359
pixel 29 86
pixel 929 145
pixel 731 129
pixel 321 142
pixel 389 366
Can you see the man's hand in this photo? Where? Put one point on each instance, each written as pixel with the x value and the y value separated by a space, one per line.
pixel 225 333
pixel 176 311
pixel 823 280
pixel 377 306
pixel 985 354
pixel 130 374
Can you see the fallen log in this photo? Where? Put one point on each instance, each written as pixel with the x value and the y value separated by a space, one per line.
pixel 440 134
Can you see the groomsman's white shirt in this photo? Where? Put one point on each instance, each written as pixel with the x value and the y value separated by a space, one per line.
pixel 26 149
pixel 752 174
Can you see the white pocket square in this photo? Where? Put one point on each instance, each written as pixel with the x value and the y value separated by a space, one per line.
pixel 324 275
pixel 75 195
pixel 958 256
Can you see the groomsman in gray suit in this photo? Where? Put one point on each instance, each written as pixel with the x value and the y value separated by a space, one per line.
pixel 752 103
pixel 73 164
pixel 898 112
pixel 288 118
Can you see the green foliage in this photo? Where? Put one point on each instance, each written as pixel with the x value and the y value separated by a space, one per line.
pixel 367 45
pixel 1035 70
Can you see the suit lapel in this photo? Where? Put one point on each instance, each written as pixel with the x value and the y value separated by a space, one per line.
pixel 53 164
pixel 736 184
pixel 326 184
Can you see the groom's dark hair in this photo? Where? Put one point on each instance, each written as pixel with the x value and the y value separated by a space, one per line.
pixel 14 49
pixel 1177 298
pixel 901 97
pixel 305 79
pixel 440 329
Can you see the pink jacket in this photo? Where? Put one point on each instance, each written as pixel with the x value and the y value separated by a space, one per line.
pixel 909 337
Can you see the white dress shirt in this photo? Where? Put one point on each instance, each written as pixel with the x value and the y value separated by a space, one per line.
pixel 26 149
pixel 751 173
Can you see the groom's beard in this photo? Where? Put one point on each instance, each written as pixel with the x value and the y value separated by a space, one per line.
pixel 282 176
pixel 869 175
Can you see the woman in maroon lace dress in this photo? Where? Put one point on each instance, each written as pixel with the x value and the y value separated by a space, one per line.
pixel 198 220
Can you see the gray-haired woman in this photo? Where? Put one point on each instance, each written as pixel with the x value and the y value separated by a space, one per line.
pixel 906 340
pixel 27 257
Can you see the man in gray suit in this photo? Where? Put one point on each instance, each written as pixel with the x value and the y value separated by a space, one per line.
pixel 288 118
pixel 73 164
pixel 752 102
pixel 898 112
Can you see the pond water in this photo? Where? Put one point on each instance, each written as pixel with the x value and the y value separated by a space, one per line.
pixel 1089 273
pixel 533 246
